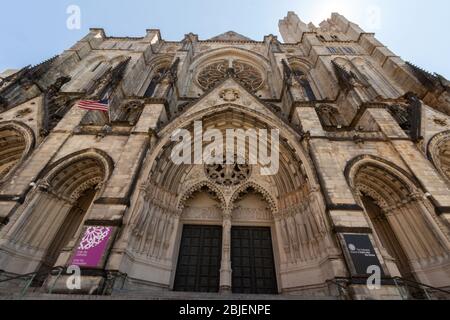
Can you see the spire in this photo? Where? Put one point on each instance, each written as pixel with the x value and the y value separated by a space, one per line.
pixel 292 28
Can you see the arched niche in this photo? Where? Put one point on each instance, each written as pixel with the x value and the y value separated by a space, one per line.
pixel 439 153
pixel 302 79
pixel 157 70
pixel 17 142
pixel 53 212
pixel 330 117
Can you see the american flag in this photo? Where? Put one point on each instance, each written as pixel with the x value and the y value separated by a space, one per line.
pixel 102 105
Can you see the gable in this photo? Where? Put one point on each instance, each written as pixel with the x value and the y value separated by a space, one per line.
pixel 230 36
pixel 229 91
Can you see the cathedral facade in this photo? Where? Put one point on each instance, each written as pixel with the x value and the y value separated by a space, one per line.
pixel 362 188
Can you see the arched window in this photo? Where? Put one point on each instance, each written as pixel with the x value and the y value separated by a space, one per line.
pixel 249 76
pixel 301 78
pixel 156 80
pixel 330 116
pixel 16 144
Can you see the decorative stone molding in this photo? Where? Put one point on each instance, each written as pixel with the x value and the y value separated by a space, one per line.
pixel 438 149
pixel 266 195
pixel 29 142
pixel 228 175
pixel 354 165
pixel 212 74
pixel 230 95
pixel 186 195
pixel 440 121
pixel 105 167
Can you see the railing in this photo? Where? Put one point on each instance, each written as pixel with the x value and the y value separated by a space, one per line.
pixel 31 277
pixel 110 285
pixel 410 289
pixel 342 287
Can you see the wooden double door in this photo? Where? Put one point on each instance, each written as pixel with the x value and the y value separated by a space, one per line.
pixel 252 260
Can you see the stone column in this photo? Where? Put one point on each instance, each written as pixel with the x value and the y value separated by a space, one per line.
pixel 225 269
pixel 283 247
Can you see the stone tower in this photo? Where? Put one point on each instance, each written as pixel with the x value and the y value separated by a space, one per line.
pixel 362 184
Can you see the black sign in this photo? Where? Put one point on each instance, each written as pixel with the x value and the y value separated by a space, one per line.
pixel 362 253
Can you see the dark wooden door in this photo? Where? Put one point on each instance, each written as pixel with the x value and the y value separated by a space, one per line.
pixel 252 261
pixel 199 259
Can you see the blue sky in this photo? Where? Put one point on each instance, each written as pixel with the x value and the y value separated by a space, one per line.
pixel 31 31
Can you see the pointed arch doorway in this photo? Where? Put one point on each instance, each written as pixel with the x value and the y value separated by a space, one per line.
pixel 252 247
pixel 387 236
pixel 200 250
pixel 55 211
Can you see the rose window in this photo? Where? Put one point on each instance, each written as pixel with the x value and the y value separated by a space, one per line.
pixel 228 175
pixel 245 73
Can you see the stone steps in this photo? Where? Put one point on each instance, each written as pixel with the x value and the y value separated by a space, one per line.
pixel 156 295
pixel 170 295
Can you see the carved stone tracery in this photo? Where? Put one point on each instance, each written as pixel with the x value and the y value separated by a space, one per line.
pixel 216 72
pixel 228 175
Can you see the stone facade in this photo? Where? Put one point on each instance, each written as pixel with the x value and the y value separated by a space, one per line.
pixel 365 150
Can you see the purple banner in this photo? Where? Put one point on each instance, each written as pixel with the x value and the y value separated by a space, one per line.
pixel 92 247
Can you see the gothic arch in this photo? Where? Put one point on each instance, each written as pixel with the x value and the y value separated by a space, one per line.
pixel 302 64
pixel 403 221
pixel 409 183
pixel 297 73
pixel 251 63
pixel 156 67
pixel 266 195
pixel 439 153
pixel 17 142
pixel 287 135
pixel 96 156
pixel 54 211
pixel 214 54
pixel 330 116
pixel 301 235
pixel 186 195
